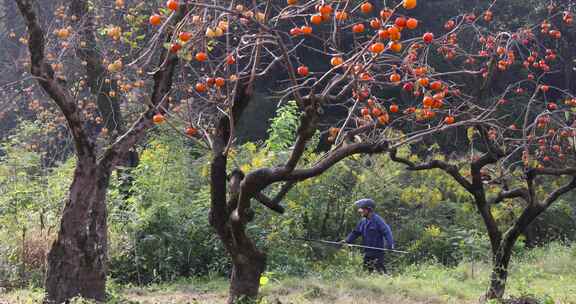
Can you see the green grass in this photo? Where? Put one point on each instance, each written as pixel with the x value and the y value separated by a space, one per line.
pixel 22 296
pixel 546 273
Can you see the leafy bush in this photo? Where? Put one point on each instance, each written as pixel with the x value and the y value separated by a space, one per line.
pixel 31 197
pixel 161 231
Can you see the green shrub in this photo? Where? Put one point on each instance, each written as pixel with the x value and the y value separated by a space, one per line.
pixel 161 232
pixel 31 196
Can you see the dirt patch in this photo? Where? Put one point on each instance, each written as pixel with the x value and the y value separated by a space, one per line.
pixel 175 297
pixel 186 297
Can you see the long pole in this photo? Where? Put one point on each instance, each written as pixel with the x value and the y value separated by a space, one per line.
pixel 351 245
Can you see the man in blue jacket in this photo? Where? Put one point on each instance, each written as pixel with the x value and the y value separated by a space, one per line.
pixel 373 230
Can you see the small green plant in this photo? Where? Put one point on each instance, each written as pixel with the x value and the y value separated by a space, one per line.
pixel 281 134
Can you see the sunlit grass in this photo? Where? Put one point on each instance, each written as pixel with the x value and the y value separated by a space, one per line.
pixel 545 273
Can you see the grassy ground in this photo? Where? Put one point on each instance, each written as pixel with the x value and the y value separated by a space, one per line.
pixel 549 274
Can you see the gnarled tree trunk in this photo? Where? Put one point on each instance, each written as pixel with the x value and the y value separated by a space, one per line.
pixel 77 259
pixel 248 263
pixel 503 253
pixel 247 267
pixel 499 274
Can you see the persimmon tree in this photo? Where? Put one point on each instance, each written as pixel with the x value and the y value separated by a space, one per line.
pixel 98 39
pixel 369 54
pixel 521 155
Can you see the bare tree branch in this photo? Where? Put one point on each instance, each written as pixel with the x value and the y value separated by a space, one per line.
pixel 551 171
pixel 552 197
pixel 514 193
pixel 45 76
pixel 334 157
pixel 163 79
pixel 434 164
pixel 275 202
pixel 266 201
pixel 305 132
pixel 96 71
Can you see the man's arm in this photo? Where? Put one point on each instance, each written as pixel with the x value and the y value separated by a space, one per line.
pixel 388 236
pixel 354 234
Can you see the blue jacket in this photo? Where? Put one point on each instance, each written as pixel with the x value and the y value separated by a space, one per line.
pixel 373 232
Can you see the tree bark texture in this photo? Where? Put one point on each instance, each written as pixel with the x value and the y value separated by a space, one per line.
pixel 77 260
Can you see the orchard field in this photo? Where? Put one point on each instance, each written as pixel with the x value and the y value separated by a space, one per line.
pixel 193 151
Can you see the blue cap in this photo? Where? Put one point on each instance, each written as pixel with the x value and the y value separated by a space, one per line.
pixel 365 203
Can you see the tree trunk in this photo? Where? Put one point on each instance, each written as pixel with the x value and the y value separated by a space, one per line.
pixel 247 267
pixel 532 235
pixel 248 263
pixel 503 253
pixel 499 273
pixel 77 259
